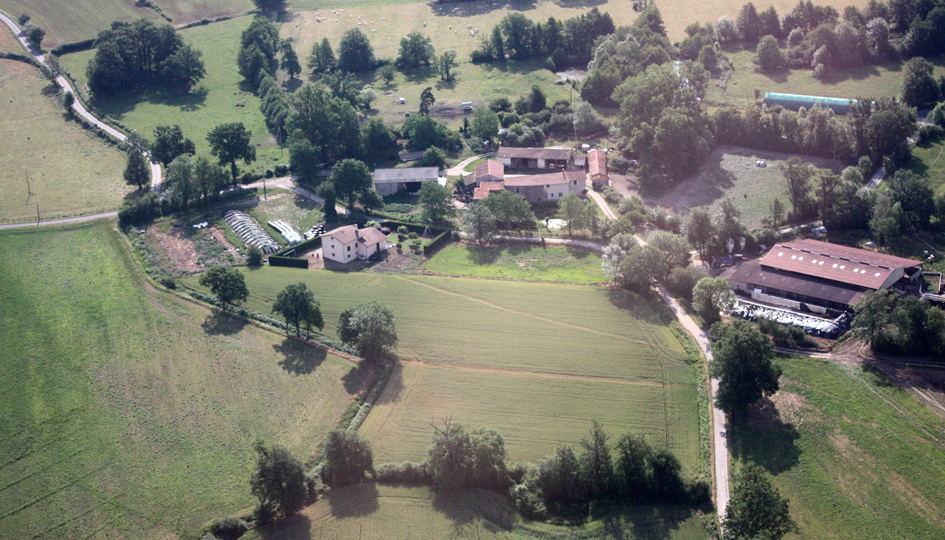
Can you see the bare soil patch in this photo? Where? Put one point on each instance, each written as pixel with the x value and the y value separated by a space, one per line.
pixel 218 235
pixel 180 249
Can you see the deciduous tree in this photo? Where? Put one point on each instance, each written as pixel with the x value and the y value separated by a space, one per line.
pixel 478 222
pixel 699 230
pixel 387 72
pixel 298 307
pixel 137 173
pixel 180 180
pixel 511 211
pixel 756 509
pixel 229 143
pixel 415 50
pixel 437 203
pixel 352 181
pixel 279 479
pixel 742 363
pixel 348 458
pixel 290 62
pixel 484 125
pixel 355 52
pixel 769 55
pixel 872 314
pixel 169 142
pixel 573 210
pixel 712 296
pixel 227 284
pixel 369 328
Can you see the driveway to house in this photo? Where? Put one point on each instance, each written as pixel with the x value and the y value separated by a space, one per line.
pixel 458 169
pixel 77 104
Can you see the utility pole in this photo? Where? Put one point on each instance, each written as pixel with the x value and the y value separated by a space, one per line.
pixel 37 214
pixel 29 190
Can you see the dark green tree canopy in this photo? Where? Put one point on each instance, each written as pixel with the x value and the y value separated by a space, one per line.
pixel 290 62
pixel 352 181
pixel 298 306
pixel 756 509
pixel 742 363
pixel 348 458
pixel 369 328
pixel 478 222
pixel 355 52
pixel 769 55
pixel 322 57
pixel 169 142
pixel 279 479
pixel 437 203
pixel 229 143
pixel 415 50
pixel 426 101
pixel 137 173
pixel 227 284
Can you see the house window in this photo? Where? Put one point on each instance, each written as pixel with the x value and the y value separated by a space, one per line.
pixel 349 248
pixel 559 194
pixel 516 190
pixel 573 182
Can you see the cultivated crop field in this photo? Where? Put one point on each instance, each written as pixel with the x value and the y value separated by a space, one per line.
pixel 847 83
pixel 372 511
pixel 71 172
pixel 218 98
pixel 730 172
pixel 535 361
pixel 857 456
pixel 128 413
pixel 523 262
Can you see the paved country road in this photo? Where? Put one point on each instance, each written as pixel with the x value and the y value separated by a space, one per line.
pixel 77 104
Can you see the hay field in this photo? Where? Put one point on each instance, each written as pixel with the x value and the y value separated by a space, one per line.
pixel 8 42
pixel 372 511
pixel 535 361
pixel 71 172
pixel 128 413
pixel 217 99
pixel 730 172
pixel 857 456
pixel 524 262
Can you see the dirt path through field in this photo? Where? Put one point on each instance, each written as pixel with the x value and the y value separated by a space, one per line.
pixel 542 374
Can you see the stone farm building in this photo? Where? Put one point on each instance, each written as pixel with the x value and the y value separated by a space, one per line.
pixel 390 181
pixel 597 168
pixel 537 188
pixel 535 158
pixel 348 243
pixel 815 276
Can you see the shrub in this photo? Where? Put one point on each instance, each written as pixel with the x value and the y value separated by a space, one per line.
pixel 413 236
pixel 269 173
pixel 611 195
pixel 407 472
pixel 528 502
pixel 254 256
pixel 168 282
pixel 227 528
pixel 282 169
pixel 680 282
pixel 619 164
pixel 403 230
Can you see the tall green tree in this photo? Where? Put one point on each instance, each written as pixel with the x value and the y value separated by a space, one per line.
pixel 355 52
pixel 437 203
pixel 712 296
pixel 298 307
pixel 378 140
pixel 229 143
pixel 137 173
pixel 209 177
pixel 279 479
pixel 35 35
pixel 227 284
pixel 370 328
pixel 478 222
pixel 798 175
pixel 756 509
pixel 348 458
pixel 596 464
pixel 699 230
pixel 270 6
pixel 573 210
pixel 415 50
pixel 169 142
pixel 352 180
pixel 872 314
pixel 290 62
pixel 511 211
pixel 322 57
pixel 769 55
pixel 445 63
pixel 180 180
pixel 426 101
pixel 919 88
pixel 742 363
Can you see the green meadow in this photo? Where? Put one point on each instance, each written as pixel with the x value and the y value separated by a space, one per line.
pixel 521 262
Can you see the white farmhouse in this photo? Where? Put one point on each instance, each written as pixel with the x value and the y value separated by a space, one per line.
pixel 348 243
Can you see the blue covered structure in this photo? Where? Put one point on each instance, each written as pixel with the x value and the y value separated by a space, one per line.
pixel 795 102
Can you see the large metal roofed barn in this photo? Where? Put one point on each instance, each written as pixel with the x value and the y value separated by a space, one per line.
pixel 390 181
pixel 796 101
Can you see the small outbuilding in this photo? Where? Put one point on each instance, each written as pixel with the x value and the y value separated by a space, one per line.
pixel 796 101
pixel 390 181
pixel 597 168
pixel 489 171
pixel 535 158
pixel 348 243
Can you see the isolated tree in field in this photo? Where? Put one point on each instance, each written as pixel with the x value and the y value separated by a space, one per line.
pixel 169 142
pixel 872 314
pixel 387 72
pixel 229 143
pixel 712 296
pixel 573 210
pixel 279 479
pixel 35 35
pixel 355 52
pixel 478 222
pixel 227 284
pixel 426 101
pixel 23 19
pixel 415 51
pixel 322 57
pixel 769 55
pixel 137 172
pixel 348 458
pixel 352 181
pixel 742 363
pixel 369 328
pixel 290 62
pixel 445 63
pixel 614 255
pixel 756 509
pixel 437 203
pixel 298 307
pixel 699 230
pixel 484 124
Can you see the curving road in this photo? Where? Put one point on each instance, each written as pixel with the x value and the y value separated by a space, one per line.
pixel 77 104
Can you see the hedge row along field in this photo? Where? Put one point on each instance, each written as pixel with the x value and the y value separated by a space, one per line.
pixel 378 512
pixel 535 361
pixel 128 413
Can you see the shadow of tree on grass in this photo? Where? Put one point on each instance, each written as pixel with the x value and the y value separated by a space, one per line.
pixel 219 323
pixel 299 358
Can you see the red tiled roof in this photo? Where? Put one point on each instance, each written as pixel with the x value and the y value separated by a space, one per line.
pixel 534 153
pixel 486 188
pixel 597 163
pixel 754 274
pixel 835 263
pixel 546 179
pixel 490 167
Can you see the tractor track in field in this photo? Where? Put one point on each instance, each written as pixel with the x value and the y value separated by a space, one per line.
pixel 542 374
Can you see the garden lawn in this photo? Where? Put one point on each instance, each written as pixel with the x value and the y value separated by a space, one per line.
pixel 929 160
pixel 857 456
pixel 730 172
pixel 218 98
pixel 71 172
pixel 129 413
pixel 370 511
pixel 535 361
pixel 521 262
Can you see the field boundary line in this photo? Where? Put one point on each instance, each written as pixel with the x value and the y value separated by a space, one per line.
pixel 494 278
pixel 545 374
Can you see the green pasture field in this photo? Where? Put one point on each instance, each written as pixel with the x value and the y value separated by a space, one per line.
pixel 129 413
pixel 523 262
pixel 536 361
pixel 848 83
pixel 71 172
pixel 928 160
pixel 8 43
pixel 730 172
pixel 218 98
pixel 373 511
pixel 857 456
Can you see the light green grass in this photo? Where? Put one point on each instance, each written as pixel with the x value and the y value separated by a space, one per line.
pixel 370 511
pixel 847 83
pixel 929 160
pixel 857 456
pixel 128 413
pixel 524 262
pixel 730 172
pixel 8 43
pixel 217 99
pixel 71 172
pixel 536 361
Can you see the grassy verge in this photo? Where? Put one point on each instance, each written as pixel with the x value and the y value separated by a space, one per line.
pixel 929 160
pixel 130 413
pixel 522 262
pixel 71 173
pixel 857 456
